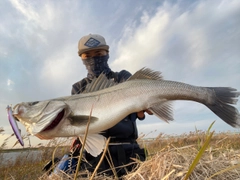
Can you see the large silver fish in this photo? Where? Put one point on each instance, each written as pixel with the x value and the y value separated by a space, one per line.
pixel 110 103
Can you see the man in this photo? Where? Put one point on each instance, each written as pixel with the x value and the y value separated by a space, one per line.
pixel 93 51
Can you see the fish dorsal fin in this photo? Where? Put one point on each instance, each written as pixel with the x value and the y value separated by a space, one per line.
pixel 146 73
pixel 99 83
pixel 103 82
pixel 95 144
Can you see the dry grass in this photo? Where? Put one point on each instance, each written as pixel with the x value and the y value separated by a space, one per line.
pixel 169 158
pixel 176 154
pixel 174 164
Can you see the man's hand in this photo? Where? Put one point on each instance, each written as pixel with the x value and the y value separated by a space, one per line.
pixel 141 114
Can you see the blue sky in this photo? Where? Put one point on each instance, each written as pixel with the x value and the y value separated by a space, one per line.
pixel 195 42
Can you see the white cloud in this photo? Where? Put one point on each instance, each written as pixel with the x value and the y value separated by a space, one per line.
pixel 155 126
pixel 141 43
pixel 178 38
pixel 40 15
pixel 26 9
pixel 9 82
pixel 61 70
pixel 3 52
pixel 195 42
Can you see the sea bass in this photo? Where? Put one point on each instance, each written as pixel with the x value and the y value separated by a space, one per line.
pixel 109 103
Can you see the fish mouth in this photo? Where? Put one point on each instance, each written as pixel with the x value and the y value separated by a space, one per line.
pixel 55 122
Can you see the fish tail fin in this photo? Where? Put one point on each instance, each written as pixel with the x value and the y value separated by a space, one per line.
pixel 225 98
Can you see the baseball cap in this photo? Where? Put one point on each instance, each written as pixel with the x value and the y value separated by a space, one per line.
pixel 91 42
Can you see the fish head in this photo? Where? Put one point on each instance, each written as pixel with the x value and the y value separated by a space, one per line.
pixel 41 115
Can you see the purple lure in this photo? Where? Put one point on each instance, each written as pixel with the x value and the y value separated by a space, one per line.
pixel 14 125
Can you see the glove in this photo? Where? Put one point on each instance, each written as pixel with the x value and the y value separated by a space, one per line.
pixel 75 147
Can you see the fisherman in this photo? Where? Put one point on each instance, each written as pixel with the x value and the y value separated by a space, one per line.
pixel 123 146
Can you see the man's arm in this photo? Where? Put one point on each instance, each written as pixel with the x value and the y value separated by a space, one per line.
pixel 79 86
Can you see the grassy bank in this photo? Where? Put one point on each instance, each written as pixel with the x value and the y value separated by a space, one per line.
pixel 169 157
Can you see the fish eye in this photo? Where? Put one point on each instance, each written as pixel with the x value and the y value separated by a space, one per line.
pixel 33 103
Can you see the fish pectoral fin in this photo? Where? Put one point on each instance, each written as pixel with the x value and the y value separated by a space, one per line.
pixel 81 120
pixel 95 144
pixel 162 110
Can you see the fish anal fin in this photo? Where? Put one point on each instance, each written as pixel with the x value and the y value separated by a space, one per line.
pixel 146 73
pixel 95 144
pixel 162 110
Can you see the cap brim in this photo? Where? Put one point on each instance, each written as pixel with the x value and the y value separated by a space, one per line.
pixel 104 47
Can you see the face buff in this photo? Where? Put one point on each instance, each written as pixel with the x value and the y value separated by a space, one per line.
pixel 96 66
